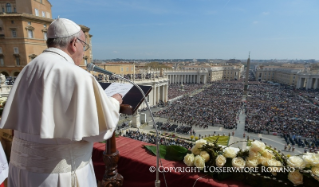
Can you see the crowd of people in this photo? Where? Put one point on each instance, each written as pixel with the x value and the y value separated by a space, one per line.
pixel 274 109
pixel 218 103
pixel 269 109
pixel 175 128
pixel 151 138
pixel 310 95
pixel 101 77
pixel 176 90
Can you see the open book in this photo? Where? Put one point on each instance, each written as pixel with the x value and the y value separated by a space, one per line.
pixel 131 95
pixel 120 88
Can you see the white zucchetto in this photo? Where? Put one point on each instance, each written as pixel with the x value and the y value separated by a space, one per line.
pixel 62 27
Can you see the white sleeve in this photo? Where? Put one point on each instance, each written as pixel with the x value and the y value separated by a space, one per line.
pixel 105 134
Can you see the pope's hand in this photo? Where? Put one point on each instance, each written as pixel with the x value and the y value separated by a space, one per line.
pixel 118 97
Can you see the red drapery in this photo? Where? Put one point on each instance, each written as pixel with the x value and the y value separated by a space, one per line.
pixel 135 162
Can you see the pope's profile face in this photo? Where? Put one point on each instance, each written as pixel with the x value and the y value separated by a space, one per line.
pixel 79 50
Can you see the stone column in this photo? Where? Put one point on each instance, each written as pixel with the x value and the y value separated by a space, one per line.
pixel 298 83
pixel 309 81
pixel 154 95
pixel 163 93
pixel 316 84
pixel 136 121
pixel 158 94
pixel 166 93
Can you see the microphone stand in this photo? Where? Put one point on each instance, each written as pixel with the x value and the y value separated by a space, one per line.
pixel 91 67
pixel 157 181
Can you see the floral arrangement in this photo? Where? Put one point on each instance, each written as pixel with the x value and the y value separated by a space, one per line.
pixel 257 160
pixel 258 165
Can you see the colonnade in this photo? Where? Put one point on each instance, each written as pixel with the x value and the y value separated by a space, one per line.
pixel 187 78
pixel 308 82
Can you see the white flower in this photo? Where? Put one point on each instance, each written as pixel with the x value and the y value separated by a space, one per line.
pixel 230 152
pixel 246 149
pixel 211 144
pixel 295 177
pixel 311 159
pixel 315 172
pixel 220 161
pixel 189 160
pixel 251 162
pixel 257 146
pixel 200 143
pixel 205 155
pixel 267 154
pixel 296 161
pixel 199 162
pixel 238 162
pixel 272 163
pixel 253 154
pixel 262 160
pixel 195 150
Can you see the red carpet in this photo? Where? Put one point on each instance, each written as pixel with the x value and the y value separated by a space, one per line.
pixel 134 164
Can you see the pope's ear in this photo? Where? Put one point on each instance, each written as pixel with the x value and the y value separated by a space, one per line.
pixel 73 44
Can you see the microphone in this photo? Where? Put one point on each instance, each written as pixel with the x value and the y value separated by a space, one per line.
pixel 92 67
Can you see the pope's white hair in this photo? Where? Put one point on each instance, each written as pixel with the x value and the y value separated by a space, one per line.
pixel 62 42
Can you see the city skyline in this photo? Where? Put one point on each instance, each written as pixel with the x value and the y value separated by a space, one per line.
pixel 197 29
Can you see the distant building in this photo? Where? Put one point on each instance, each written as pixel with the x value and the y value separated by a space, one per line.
pixel 118 68
pixel 204 73
pixel 23 33
pixel 297 75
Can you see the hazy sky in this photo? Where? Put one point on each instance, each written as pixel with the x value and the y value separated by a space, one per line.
pixel 197 29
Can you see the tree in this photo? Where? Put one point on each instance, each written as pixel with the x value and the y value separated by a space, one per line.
pixel 156 65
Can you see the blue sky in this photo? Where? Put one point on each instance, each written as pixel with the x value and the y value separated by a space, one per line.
pixel 197 29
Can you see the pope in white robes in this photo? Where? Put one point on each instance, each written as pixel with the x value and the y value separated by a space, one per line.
pixel 57 110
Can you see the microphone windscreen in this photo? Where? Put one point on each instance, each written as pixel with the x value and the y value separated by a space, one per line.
pixel 90 66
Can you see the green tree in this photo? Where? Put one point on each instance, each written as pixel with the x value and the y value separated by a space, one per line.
pixel 156 65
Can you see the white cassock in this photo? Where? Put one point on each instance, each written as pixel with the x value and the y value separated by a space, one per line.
pixel 4 168
pixel 57 110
